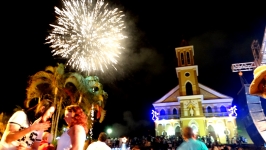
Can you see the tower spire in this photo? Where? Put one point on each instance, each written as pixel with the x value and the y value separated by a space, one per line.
pixel 184 43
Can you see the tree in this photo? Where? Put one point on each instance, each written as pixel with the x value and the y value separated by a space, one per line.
pixel 67 88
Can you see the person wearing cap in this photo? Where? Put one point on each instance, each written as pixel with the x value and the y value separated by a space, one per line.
pixel 258 85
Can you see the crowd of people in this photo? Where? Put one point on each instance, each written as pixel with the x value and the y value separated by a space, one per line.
pixel 174 142
pixel 27 130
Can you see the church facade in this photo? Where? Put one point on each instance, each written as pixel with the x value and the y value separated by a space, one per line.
pixel 192 104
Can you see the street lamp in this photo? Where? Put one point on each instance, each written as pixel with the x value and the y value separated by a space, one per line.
pixel 109 131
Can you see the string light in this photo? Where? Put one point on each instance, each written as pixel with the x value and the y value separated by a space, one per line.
pixel 92 120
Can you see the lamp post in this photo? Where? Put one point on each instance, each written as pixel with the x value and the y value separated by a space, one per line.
pixel 109 141
pixel 109 131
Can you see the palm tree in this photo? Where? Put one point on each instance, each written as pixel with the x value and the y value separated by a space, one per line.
pixel 83 93
pixel 86 92
pixel 48 82
pixel 97 95
pixel 67 88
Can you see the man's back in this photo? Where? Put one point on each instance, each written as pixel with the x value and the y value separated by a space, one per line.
pixel 98 146
pixel 192 145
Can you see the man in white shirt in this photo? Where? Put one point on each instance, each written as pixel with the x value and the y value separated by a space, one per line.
pixel 100 144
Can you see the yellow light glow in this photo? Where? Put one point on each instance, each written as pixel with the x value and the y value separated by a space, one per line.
pixel 170 131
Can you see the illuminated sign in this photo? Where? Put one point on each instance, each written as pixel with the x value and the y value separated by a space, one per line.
pixel 232 111
pixel 154 115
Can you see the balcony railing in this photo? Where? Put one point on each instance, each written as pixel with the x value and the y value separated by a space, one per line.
pixel 217 114
pixel 169 117
pixel 177 116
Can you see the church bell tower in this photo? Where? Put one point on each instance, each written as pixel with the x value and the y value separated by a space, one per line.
pixel 186 71
pixel 189 91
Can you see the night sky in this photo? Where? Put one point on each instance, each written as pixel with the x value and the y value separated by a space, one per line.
pixel 220 32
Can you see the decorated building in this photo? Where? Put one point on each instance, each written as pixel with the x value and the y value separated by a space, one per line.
pixel 192 104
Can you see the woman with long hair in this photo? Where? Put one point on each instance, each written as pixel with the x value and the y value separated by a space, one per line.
pixel 74 138
pixel 25 127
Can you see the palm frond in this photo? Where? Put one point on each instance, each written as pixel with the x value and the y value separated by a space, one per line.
pixel 60 69
pixel 103 113
pixel 105 95
pixel 36 89
pixel 50 69
pixel 42 75
pixel 77 80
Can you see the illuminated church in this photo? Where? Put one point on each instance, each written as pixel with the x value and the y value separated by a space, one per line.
pixel 193 104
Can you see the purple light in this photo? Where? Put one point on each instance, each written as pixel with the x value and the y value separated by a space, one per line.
pixel 232 111
pixel 154 115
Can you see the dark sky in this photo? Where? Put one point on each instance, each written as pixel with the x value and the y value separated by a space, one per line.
pixel 220 32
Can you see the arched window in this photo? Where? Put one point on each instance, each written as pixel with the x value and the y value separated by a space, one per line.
pixel 174 111
pixel 189 88
pixel 194 128
pixel 209 109
pixel 162 112
pixel 177 131
pixel 211 131
pixel 182 59
pixel 188 58
pixel 159 130
pixel 223 109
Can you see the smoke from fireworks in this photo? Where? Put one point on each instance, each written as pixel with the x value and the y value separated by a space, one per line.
pixel 88 35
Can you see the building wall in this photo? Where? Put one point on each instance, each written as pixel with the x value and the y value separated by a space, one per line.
pixel 214 118
pixel 169 126
pixel 216 126
pixel 198 125
pixel 184 80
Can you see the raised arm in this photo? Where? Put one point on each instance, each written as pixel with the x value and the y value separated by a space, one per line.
pixel 13 131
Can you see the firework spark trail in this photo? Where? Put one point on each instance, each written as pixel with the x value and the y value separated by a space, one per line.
pixel 87 35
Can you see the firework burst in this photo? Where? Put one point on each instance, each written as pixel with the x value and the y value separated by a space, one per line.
pixel 88 35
